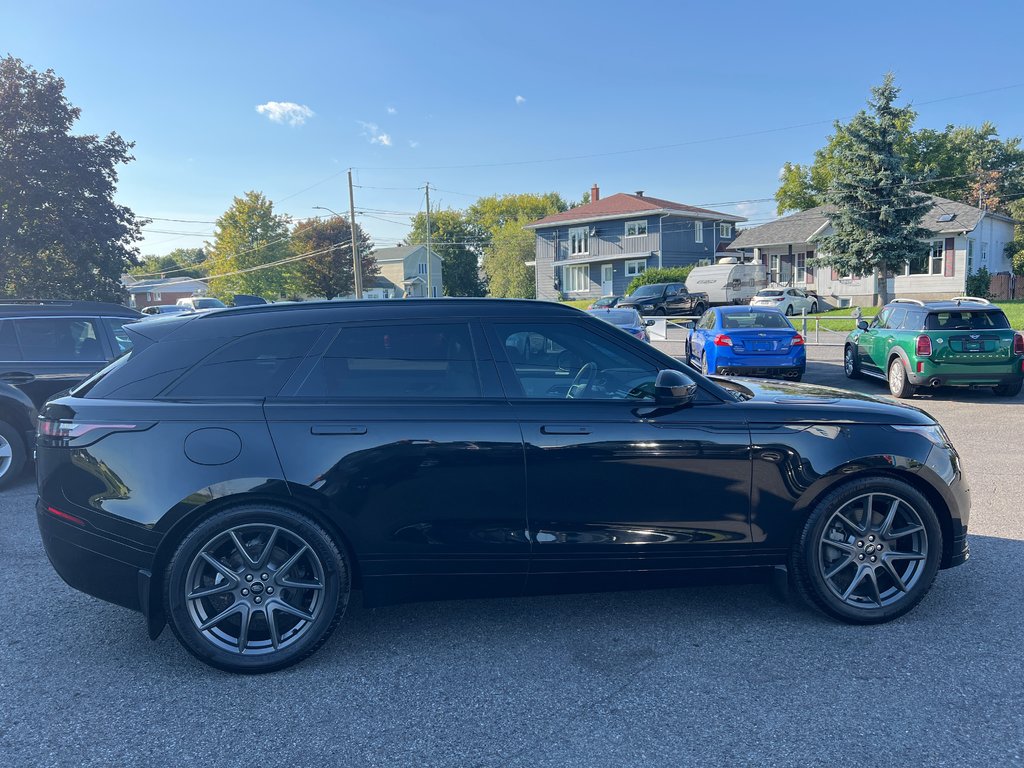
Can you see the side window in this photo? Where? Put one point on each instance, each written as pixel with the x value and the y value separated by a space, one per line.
pixel 257 365
pixel 707 322
pixel 9 349
pixel 396 361
pixel 59 339
pixel 895 318
pixel 122 342
pixel 881 319
pixel 547 359
pixel 914 321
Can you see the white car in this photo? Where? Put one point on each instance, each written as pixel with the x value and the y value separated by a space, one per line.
pixel 201 303
pixel 792 301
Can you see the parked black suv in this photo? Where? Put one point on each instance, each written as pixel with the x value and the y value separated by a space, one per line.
pixel 242 471
pixel 665 299
pixel 47 346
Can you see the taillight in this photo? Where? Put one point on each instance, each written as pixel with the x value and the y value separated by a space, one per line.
pixel 1018 344
pixel 68 430
pixel 924 346
pixel 798 341
pixel 721 340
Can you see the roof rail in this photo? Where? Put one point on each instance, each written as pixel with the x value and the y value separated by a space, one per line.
pixel 907 301
pixel 958 299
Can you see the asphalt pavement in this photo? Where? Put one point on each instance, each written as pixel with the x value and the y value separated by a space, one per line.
pixel 704 675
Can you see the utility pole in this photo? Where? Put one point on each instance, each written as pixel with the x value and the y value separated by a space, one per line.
pixel 430 260
pixel 357 267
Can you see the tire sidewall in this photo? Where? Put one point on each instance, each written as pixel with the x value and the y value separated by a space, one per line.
pixel 19 454
pixel 337 587
pixel 805 554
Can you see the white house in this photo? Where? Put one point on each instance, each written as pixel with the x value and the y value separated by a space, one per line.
pixel 964 239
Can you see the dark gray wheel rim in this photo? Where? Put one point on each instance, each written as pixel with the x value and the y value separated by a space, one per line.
pixel 896 377
pixel 6 456
pixel 255 589
pixel 848 362
pixel 873 551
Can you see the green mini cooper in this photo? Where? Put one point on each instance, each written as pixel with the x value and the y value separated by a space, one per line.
pixel 965 341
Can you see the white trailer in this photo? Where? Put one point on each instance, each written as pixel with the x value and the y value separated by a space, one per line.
pixel 730 281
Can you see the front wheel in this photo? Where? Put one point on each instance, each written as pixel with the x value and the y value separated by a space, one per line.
pixel 868 552
pixel 1003 390
pixel 899 383
pixel 660 311
pixel 851 365
pixel 256 588
pixel 12 453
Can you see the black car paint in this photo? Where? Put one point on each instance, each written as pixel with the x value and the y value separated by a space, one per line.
pixel 667 302
pixel 490 496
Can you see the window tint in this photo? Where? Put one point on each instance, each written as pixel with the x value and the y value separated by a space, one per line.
pixel 9 349
pixel 59 339
pixel 256 365
pixel 914 321
pixel 549 358
pixel 737 320
pixel 122 342
pixel 396 361
pixel 966 320
pixel 895 318
pixel 881 319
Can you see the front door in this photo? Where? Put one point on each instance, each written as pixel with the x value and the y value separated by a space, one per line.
pixel 616 488
pixel 607 279
pixel 869 346
pixel 406 437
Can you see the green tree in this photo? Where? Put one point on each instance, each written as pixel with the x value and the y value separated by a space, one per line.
pixel 248 236
pixel 61 233
pixel 493 212
pixel 457 242
pixel 1015 248
pixel 875 227
pixel 329 273
pixel 181 262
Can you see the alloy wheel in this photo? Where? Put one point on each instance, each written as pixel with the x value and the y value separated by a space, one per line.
pixel 6 456
pixel 873 550
pixel 848 362
pixel 255 589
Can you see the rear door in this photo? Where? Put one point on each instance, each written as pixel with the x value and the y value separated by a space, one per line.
pixel 56 353
pixel 886 337
pixel 401 429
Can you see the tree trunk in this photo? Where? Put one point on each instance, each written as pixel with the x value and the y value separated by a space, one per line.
pixel 882 279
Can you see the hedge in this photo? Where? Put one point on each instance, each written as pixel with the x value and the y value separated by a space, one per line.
pixel 664 275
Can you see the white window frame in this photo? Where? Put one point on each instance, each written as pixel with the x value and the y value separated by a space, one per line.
pixel 576 278
pixel 933 255
pixel 970 255
pixel 774 261
pixel 698 231
pixel 635 226
pixel 636 267
pixel 800 268
pixel 724 229
pixel 579 241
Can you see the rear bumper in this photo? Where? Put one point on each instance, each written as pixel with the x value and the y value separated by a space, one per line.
pixel 934 376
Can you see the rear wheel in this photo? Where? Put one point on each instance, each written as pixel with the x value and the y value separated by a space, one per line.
pixel 704 365
pixel 868 552
pixel 1009 390
pixel 789 311
pixel 899 384
pixel 12 453
pixel 698 310
pixel 256 588
pixel 851 365
pixel 814 308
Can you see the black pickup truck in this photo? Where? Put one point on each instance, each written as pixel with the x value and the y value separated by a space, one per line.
pixel 665 299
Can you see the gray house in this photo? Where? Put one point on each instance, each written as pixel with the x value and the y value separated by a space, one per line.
pixel 598 248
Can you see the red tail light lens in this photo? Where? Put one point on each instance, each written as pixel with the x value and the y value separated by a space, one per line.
pixel 721 340
pixel 65 516
pixel 1018 344
pixel 798 341
pixel 924 346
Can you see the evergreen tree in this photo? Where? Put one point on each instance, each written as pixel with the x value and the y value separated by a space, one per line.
pixel 875 226
pixel 248 236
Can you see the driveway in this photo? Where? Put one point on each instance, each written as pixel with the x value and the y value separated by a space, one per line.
pixel 704 675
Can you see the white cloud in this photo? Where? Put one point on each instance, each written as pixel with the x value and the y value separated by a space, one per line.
pixel 782 173
pixel 381 138
pixel 520 99
pixel 285 112
pixel 392 111
pixel 413 143
pixel 373 132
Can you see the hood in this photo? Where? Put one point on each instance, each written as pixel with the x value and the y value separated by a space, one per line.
pixel 813 402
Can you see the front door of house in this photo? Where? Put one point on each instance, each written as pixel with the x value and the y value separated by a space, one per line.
pixel 607 275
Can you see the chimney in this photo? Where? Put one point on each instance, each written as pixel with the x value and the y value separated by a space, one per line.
pixel 639 193
pixel 595 194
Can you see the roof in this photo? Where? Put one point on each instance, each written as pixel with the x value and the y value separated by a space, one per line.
pixel 622 204
pixel 59 307
pixel 175 284
pixel 801 227
pixel 399 253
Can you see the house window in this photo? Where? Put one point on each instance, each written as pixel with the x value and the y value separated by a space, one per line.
pixel 636 228
pixel 698 231
pixel 725 230
pixel 422 267
pixel 634 268
pixel 579 241
pixel 773 268
pixel 970 256
pixel 576 279
pixel 801 268
pixel 929 263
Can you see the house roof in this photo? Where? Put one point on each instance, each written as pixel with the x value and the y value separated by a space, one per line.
pixel 803 226
pixel 170 284
pixel 622 204
pixel 399 253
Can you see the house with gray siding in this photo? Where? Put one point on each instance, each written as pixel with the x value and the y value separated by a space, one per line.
pixel 597 249
pixel 963 238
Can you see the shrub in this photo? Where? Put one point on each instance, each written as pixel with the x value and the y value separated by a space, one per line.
pixel 665 275
pixel 978 283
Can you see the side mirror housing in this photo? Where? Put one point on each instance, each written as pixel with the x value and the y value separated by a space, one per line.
pixel 649 321
pixel 674 388
pixel 862 324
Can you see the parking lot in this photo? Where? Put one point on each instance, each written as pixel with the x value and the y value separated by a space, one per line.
pixel 705 675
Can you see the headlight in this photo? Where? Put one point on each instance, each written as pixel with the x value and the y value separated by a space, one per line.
pixel 933 432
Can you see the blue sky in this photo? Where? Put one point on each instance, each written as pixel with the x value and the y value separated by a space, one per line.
pixel 406 92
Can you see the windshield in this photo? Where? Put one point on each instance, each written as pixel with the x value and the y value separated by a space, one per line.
pixel 607 301
pixel 208 303
pixel 620 317
pixel 966 320
pixel 647 291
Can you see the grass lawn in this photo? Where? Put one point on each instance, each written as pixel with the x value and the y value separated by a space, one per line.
pixel 1014 313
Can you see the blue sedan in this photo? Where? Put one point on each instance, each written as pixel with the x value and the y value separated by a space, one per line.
pixel 747 341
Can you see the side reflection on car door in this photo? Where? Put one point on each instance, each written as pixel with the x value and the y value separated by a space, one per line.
pixel 614 484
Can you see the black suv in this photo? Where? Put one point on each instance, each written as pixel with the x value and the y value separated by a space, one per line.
pixel 665 299
pixel 242 471
pixel 45 347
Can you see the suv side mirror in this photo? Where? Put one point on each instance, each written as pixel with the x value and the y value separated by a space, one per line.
pixel 674 388
pixel 862 324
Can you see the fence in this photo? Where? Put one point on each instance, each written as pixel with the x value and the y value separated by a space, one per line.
pixel 806 324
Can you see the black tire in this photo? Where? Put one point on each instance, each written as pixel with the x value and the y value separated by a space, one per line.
pixel 821 537
pixel 13 443
pixel 851 362
pixel 322 562
pixel 1009 390
pixel 699 310
pixel 789 311
pixel 899 382
pixel 814 308
pixel 660 311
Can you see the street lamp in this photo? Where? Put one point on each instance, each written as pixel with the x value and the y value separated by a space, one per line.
pixel 357 272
